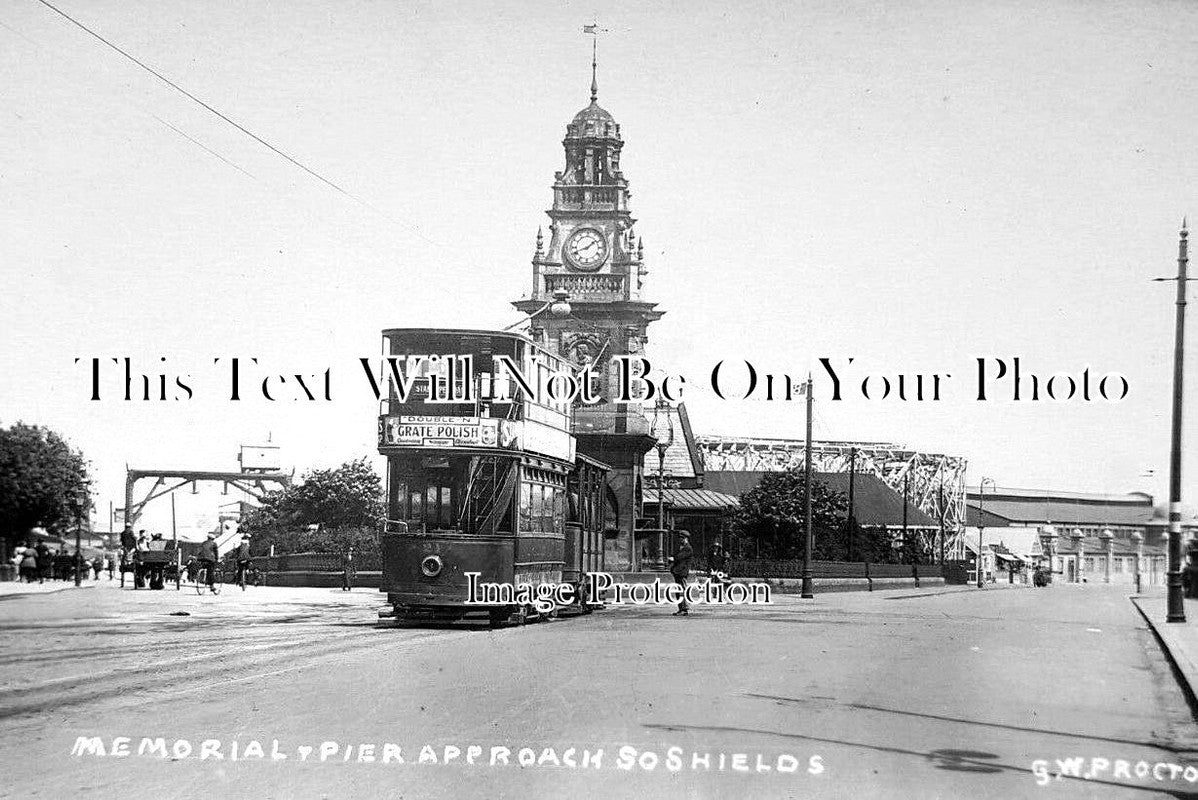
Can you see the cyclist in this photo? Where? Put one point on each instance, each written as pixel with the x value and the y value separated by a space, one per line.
pixel 243 560
pixel 207 558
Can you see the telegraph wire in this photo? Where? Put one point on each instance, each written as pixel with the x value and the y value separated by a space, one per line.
pixel 203 147
pixel 232 122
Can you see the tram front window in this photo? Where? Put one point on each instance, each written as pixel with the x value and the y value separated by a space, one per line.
pixel 430 493
pixel 422 492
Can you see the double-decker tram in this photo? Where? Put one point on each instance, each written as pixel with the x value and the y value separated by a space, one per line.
pixel 484 487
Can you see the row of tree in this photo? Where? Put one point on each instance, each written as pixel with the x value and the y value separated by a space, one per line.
pixel 772 520
pixel 44 483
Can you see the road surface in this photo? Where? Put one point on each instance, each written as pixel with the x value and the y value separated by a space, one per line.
pixel 301 693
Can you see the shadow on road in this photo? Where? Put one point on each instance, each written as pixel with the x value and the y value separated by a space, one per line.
pixel 979 723
pixel 982 762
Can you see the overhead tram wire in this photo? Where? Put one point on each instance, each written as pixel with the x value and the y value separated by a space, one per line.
pixel 203 147
pixel 232 122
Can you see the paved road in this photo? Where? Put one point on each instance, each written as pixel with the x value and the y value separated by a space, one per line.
pixel 894 694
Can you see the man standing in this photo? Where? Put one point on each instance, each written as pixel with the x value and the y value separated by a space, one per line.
pixel 347 564
pixel 680 568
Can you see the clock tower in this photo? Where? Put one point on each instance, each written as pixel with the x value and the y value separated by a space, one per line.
pixel 594 256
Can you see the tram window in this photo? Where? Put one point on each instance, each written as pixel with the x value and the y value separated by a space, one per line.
pixel 559 509
pixel 431 505
pixel 399 493
pixel 416 507
pixel 446 507
pixel 526 506
pixel 538 506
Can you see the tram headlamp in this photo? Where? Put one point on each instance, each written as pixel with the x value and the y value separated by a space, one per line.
pixel 431 566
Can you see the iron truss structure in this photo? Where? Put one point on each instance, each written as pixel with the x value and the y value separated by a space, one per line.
pixel 935 482
pixel 252 482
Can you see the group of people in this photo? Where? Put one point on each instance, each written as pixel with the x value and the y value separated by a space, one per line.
pixel 39 563
pixel 136 549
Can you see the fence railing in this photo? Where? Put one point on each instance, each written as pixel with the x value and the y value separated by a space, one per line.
pixel 317 562
pixel 767 568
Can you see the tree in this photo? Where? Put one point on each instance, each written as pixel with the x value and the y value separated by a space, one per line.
pixel 327 511
pixel 43 482
pixel 773 514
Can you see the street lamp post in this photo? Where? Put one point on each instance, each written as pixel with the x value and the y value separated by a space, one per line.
pixel 808 589
pixel 1176 603
pixel 82 512
pixel 1138 538
pixel 662 408
pixel 981 528
pixel 912 548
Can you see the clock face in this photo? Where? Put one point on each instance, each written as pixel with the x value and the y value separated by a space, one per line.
pixel 586 249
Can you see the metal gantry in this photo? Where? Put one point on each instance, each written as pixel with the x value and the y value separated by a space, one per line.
pixel 252 483
pixel 935 482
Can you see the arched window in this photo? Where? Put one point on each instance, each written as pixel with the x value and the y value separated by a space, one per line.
pixel 611 510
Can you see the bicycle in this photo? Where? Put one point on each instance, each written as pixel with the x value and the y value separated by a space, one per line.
pixel 249 574
pixel 200 575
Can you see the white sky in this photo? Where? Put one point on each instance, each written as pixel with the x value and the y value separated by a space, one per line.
pixel 911 184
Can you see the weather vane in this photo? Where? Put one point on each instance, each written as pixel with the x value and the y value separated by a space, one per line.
pixel 594 30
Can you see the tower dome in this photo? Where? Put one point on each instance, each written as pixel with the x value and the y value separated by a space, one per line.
pixel 594 120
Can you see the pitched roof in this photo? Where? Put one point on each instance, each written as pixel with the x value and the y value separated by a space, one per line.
pixel 874 503
pixel 694 499
pixel 682 456
pixel 1063 512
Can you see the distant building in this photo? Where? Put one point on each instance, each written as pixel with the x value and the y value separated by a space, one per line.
pixel 1082 534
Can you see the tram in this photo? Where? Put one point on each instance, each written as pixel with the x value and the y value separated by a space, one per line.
pixel 483 477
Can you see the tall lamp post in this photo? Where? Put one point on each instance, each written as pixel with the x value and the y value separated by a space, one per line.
pixel 1176 603
pixel 83 507
pixel 808 590
pixel 1138 538
pixel 981 528
pixel 662 409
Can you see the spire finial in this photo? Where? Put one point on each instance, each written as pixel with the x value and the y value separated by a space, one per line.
pixel 594 30
pixel 594 69
pixel 1184 227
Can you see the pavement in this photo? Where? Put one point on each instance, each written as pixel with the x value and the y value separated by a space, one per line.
pixel 16 588
pixel 1179 640
pixel 277 692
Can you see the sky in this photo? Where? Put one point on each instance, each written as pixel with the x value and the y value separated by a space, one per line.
pixel 911 185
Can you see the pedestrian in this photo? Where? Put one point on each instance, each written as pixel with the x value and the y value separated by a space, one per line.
pixel 243 560
pixel 97 565
pixel 45 569
pixel 680 567
pixel 110 564
pixel 29 565
pixel 716 562
pixel 347 569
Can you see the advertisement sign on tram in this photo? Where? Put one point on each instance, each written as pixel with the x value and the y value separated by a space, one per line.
pixel 417 431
